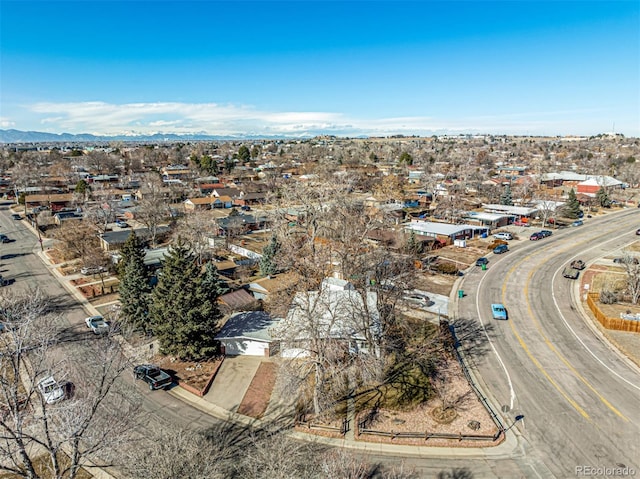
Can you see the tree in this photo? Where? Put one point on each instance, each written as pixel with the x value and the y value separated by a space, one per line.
pixel 82 188
pixel 255 152
pixel 244 154
pixel 152 209
pixel 405 159
pixel 572 208
pixel 134 285
pixel 34 435
pixel 212 285
pixel 268 264
pixel 602 198
pixel 196 228
pixel 506 197
pixel 184 316
pixel 77 239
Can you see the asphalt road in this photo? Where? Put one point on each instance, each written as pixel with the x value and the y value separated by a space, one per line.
pixel 579 397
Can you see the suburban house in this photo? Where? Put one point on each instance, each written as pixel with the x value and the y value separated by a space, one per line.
pixel 519 213
pixel 248 333
pixel 113 240
pixel 55 202
pixel 492 220
pixel 262 288
pixel 445 233
pixel 239 300
pixel 336 313
pixel 208 202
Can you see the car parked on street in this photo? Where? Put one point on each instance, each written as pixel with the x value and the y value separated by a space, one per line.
pixel 4 239
pixel 577 223
pixel 16 216
pixel 481 261
pixel 638 232
pixel 501 248
pixel 578 264
pixel 536 236
pixel 51 391
pixel 97 324
pixel 152 375
pixel 546 233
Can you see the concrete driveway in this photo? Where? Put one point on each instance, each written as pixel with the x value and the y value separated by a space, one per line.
pixel 232 381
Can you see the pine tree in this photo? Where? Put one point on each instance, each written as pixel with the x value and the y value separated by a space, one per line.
pixel 412 244
pixel 132 250
pixel 212 283
pixel 572 208
pixel 603 198
pixel 269 253
pixel 506 198
pixel 134 284
pixel 184 314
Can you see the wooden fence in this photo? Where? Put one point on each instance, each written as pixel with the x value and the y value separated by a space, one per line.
pixel 617 324
pixel 342 429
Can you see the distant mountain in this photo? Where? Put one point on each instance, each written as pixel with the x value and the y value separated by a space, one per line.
pixel 18 136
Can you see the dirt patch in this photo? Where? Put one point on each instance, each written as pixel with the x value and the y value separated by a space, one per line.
pixel 195 374
pixel 470 418
pixel 435 283
pixel 256 399
pixel 107 298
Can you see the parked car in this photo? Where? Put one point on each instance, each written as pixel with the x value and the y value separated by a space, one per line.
pixel 16 216
pixel 503 236
pixel 481 261
pixel 499 311
pixel 546 233
pixel 4 239
pixel 51 391
pixel 122 224
pixel 521 223
pixel 638 232
pixel 570 273
pixel 97 324
pixel 501 248
pixel 577 223
pixel 420 299
pixel 152 375
pixel 577 264
pixel 87 270
pixel 536 236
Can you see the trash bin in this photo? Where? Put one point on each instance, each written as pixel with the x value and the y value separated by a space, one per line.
pixel 461 293
pixel 484 266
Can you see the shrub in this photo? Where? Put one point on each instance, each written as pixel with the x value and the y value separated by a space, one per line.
pixel 608 297
pixel 447 268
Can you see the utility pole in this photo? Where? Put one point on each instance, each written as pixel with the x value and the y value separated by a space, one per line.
pixel 35 221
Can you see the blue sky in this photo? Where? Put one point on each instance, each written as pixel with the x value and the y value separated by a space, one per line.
pixel 298 68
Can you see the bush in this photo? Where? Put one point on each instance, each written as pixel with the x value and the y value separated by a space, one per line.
pixel 608 297
pixel 496 243
pixel 446 268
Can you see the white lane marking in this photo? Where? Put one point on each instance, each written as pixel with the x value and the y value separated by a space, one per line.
pixel 564 320
pixel 495 351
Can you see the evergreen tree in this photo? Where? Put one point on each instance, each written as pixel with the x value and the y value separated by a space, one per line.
pixel 134 284
pixel 269 253
pixel 212 283
pixel 572 208
pixel 405 158
pixel 506 198
pixel 412 244
pixel 184 315
pixel 603 198
pixel 132 250
pixel 244 154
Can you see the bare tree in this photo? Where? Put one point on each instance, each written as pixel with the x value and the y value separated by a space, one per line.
pixel 38 439
pixel 632 268
pixel 196 229
pixel 77 239
pixel 152 208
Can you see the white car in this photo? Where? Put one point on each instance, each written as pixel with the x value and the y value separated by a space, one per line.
pixel 97 324
pixel 51 391
pixel 87 270
pixel 503 236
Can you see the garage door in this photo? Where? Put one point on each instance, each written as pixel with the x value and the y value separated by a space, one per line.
pixel 247 347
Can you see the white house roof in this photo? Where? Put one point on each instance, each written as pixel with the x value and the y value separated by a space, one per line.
pixel 444 229
pixel 510 210
pixel 571 176
pixel 483 216
pixel 601 181
pixel 336 314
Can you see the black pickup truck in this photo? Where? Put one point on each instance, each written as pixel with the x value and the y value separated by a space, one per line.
pixel 152 375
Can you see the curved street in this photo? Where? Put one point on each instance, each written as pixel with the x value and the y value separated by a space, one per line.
pixel 577 395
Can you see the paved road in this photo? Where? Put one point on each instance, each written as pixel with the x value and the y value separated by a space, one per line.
pixel 579 397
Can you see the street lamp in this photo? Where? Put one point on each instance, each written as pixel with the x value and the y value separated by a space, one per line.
pixel 519 417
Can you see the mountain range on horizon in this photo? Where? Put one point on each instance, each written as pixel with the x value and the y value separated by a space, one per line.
pixel 19 136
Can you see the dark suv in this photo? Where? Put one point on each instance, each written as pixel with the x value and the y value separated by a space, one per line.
pixel 545 233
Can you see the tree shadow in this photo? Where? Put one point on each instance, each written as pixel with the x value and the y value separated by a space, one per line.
pixel 14 255
pixel 456 473
pixel 470 337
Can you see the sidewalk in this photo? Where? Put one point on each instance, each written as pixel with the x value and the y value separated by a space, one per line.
pixel 205 404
